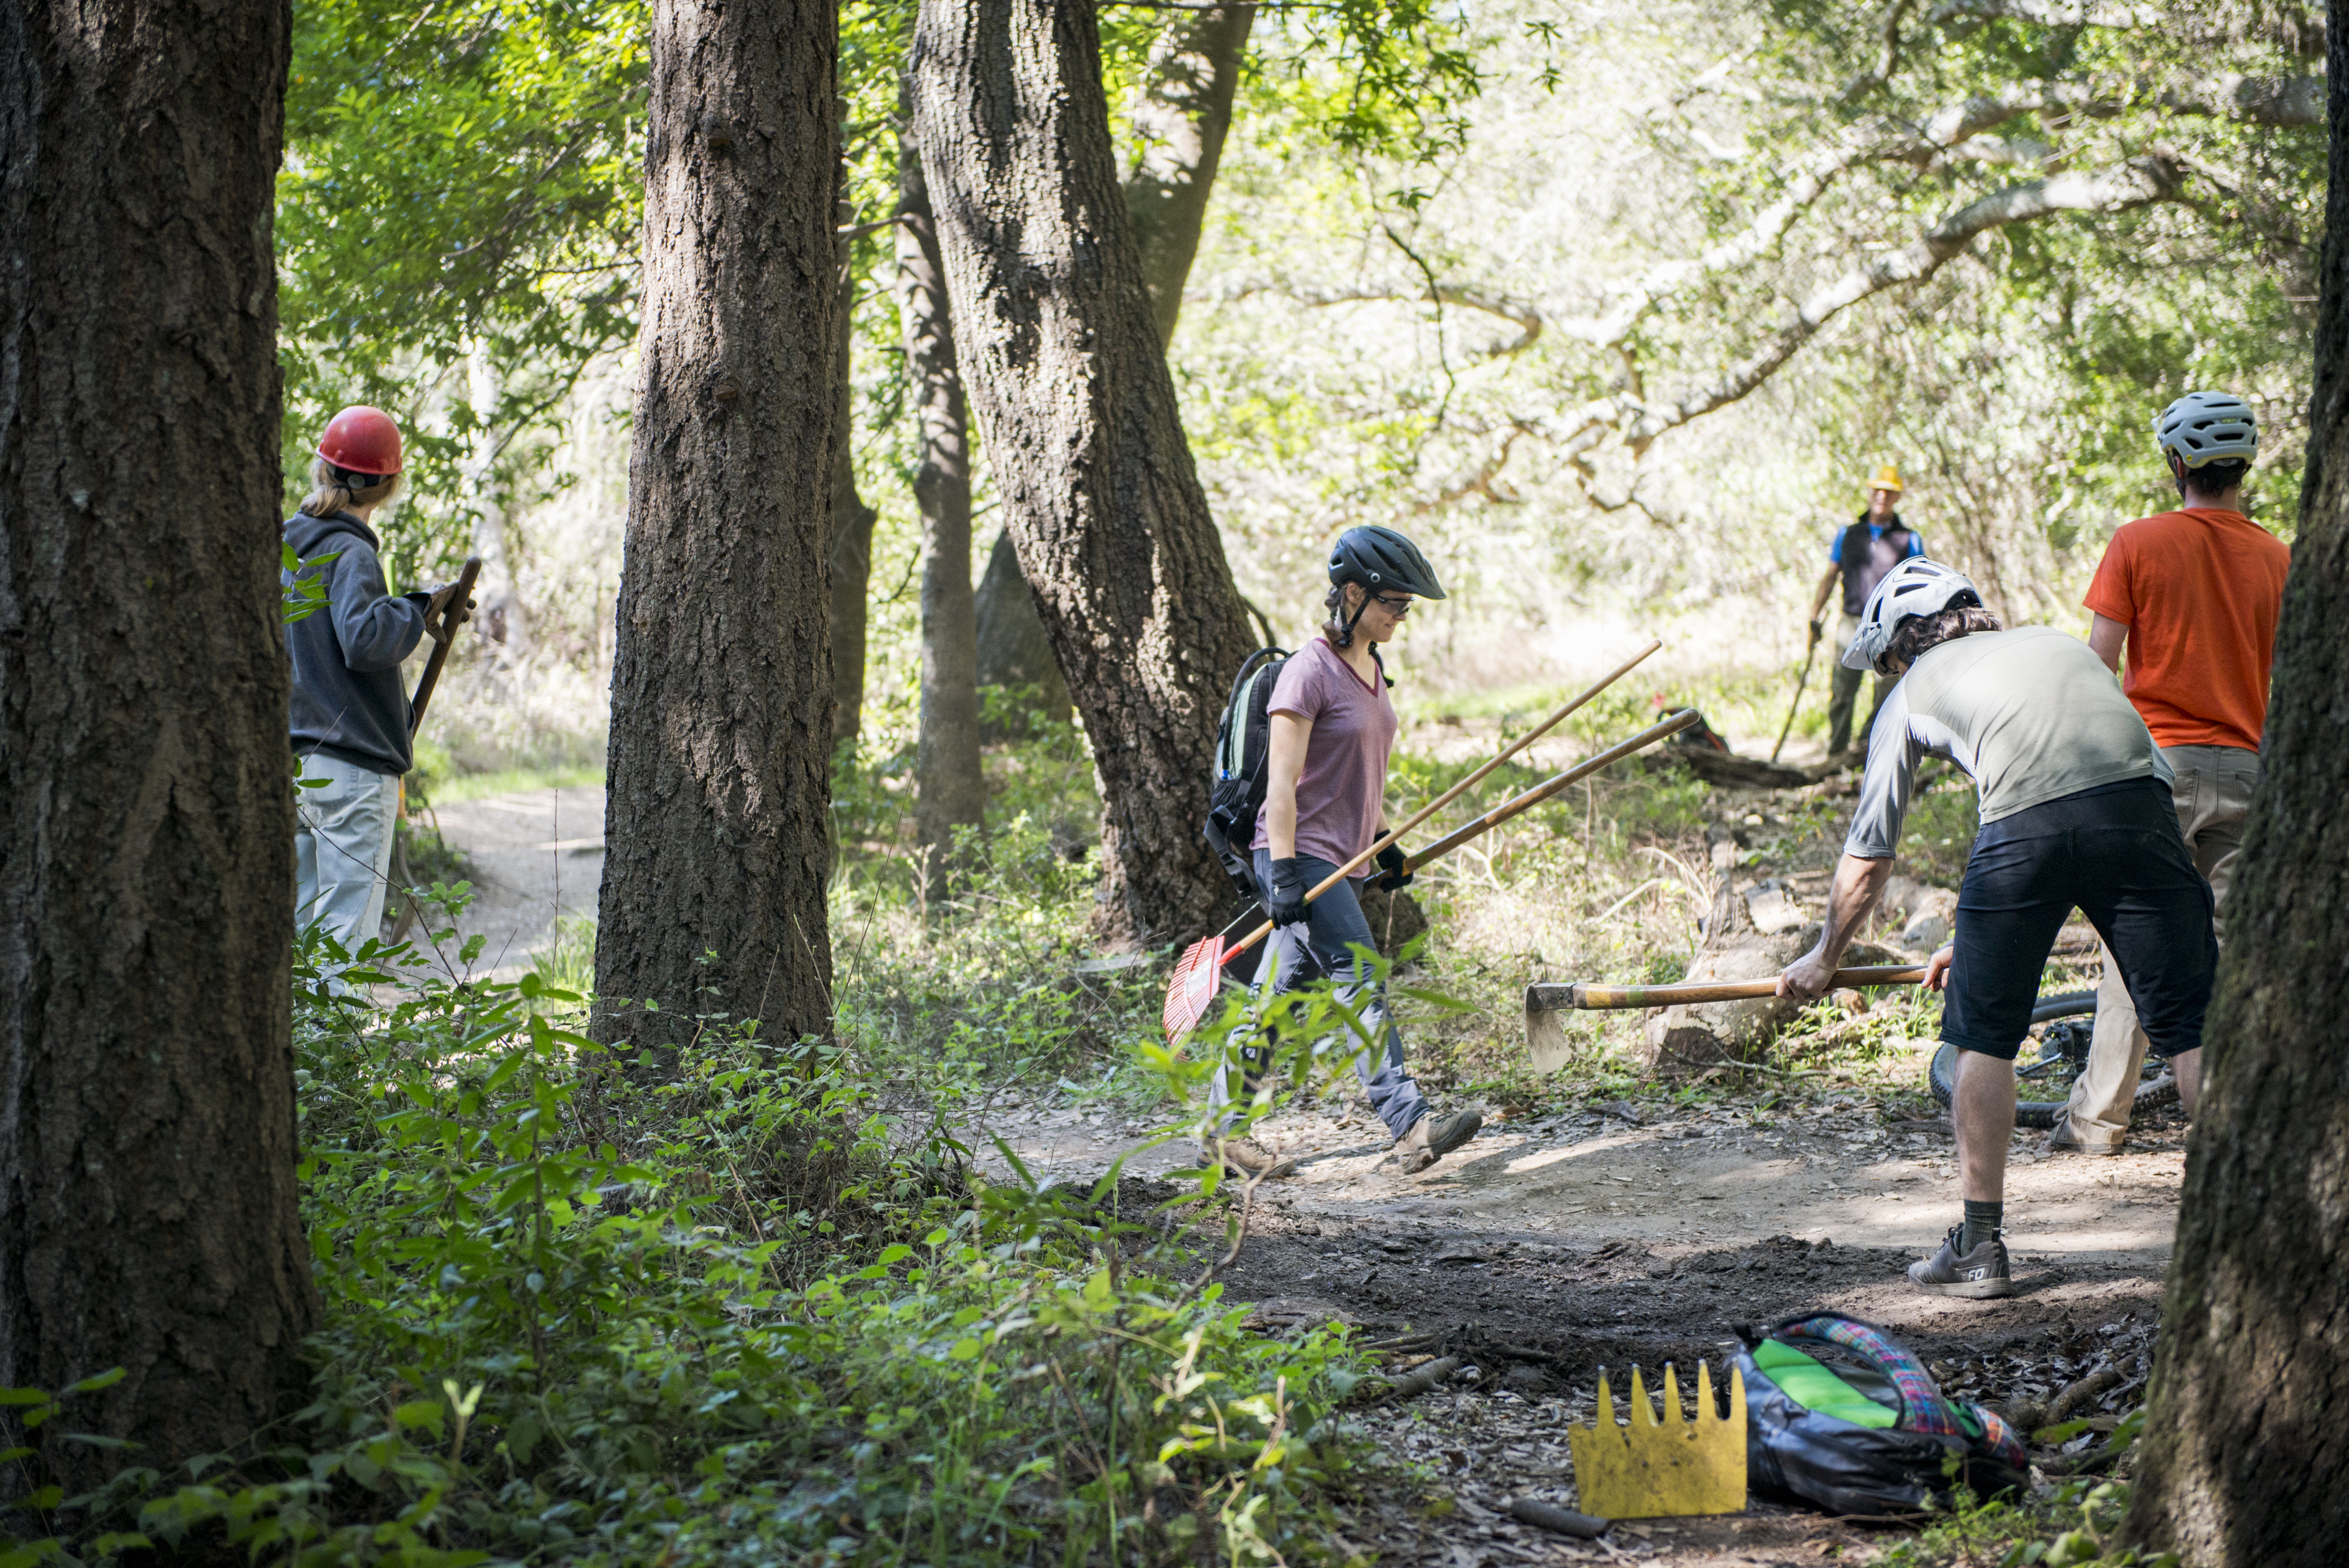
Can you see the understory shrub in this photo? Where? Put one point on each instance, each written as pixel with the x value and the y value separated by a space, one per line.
pixel 740 1315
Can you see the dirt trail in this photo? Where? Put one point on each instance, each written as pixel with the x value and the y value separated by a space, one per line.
pixel 535 854
pixel 1545 1249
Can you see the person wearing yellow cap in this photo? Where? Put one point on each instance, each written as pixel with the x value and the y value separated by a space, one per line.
pixel 1859 557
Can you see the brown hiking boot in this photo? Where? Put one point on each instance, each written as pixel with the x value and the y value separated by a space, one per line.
pixel 1432 1136
pixel 2062 1141
pixel 1245 1157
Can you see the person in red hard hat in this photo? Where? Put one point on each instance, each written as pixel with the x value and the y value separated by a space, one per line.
pixel 349 719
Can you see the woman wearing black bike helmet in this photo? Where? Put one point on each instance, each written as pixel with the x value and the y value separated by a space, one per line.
pixel 1333 726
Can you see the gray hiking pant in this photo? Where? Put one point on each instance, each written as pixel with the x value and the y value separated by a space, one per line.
pixel 1321 945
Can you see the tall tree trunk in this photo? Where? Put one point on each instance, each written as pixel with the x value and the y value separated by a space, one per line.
pixel 1180 115
pixel 852 533
pixel 2242 1462
pixel 147 1202
pixel 1013 651
pixel 952 791
pixel 1054 331
pixel 721 683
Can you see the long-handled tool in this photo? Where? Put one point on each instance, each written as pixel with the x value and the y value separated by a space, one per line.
pixel 1801 681
pixel 1193 985
pixel 1545 1040
pixel 454 614
pixel 1205 960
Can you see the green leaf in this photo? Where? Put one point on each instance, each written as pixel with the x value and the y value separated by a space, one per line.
pixel 106 1379
pixel 419 1413
pixel 964 1349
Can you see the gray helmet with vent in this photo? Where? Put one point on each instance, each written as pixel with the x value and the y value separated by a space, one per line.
pixel 2208 427
pixel 1914 587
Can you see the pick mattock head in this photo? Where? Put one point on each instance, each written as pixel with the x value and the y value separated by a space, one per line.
pixel 1656 1468
pixel 1545 1040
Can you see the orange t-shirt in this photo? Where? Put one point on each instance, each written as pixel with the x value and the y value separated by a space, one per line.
pixel 2200 592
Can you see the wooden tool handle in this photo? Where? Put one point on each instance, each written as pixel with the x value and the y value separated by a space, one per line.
pixel 1559 998
pixel 1454 792
pixel 451 618
pixel 1543 791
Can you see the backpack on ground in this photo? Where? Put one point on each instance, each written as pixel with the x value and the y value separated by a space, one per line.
pixel 1872 1436
pixel 1235 791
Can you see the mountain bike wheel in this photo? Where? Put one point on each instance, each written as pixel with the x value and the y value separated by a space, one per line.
pixel 2044 1084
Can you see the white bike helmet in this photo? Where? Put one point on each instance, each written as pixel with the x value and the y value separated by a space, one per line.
pixel 2208 427
pixel 1914 587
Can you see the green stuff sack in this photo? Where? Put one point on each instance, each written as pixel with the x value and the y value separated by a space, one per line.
pixel 1877 1437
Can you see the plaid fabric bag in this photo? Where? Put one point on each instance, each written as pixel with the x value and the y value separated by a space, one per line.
pixel 1872 1436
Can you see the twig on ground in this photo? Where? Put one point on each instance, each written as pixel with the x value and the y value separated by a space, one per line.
pixel 1413 1384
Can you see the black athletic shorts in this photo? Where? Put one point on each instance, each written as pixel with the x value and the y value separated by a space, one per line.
pixel 2114 852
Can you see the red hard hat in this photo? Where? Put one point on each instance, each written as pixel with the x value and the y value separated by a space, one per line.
pixel 361 440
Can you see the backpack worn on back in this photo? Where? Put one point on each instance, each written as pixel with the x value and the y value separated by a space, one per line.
pixel 1873 1439
pixel 1243 740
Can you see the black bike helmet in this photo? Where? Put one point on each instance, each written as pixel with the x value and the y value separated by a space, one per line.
pixel 1381 559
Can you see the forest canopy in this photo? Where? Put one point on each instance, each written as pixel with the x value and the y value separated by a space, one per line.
pixel 1616 304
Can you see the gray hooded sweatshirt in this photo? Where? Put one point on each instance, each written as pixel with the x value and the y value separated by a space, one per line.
pixel 348 700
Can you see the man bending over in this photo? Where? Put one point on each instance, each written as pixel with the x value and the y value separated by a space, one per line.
pixel 2075 803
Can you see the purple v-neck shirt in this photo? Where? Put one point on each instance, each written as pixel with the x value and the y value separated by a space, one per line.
pixel 1345 775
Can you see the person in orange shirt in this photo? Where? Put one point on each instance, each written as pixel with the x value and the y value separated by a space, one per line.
pixel 2193 595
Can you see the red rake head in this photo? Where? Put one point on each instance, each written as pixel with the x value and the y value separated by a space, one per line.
pixel 1192 987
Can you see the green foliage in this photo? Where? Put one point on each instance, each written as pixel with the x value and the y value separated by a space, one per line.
pixel 1938 838
pixel 577 1313
pixel 463 182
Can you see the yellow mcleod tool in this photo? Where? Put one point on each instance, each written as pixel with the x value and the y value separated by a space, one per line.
pixel 1656 1468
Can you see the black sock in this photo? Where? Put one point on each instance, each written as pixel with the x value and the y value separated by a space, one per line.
pixel 1982 1220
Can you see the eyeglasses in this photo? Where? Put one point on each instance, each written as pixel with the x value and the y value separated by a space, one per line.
pixel 1401 607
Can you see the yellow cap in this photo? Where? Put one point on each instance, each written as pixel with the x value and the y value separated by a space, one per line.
pixel 1887 478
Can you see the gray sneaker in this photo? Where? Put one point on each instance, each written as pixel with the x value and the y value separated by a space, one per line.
pixel 1432 1136
pixel 1979 1274
pixel 1245 1157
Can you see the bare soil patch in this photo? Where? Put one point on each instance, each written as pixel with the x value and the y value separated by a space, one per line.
pixel 1544 1250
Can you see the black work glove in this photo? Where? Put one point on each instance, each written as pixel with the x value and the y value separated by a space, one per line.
pixel 1818 631
pixel 1397 878
pixel 1286 901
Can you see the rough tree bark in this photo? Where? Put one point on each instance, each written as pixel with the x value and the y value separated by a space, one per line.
pixel 2242 1462
pixel 147 1216
pixel 721 681
pixel 952 791
pixel 1055 337
pixel 1180 114
pixel 852 537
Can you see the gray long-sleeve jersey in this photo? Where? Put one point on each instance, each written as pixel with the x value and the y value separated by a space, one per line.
pixel 348 699
pixel 2031 715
